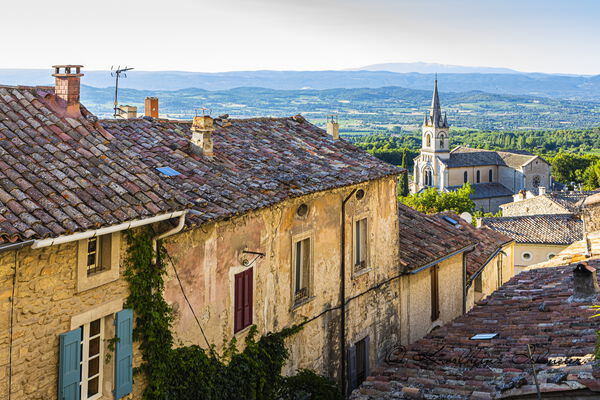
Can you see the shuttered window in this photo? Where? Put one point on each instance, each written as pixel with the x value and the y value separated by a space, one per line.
pixel 301 269
pixel 69 369
pixel 360 244
pixel 124 353
pixel 243 287
pixel 435 293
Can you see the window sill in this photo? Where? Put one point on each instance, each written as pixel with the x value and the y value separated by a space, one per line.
pixel 87 282
pixel 302 302
pixel 360 272
pixel 242 331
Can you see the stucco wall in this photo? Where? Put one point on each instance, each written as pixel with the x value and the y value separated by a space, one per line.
pixel 456 175
pixel 539 253
pixel 207 259
pixel 492 277
pixel 511 178
pixel 416 299
pixel 45 301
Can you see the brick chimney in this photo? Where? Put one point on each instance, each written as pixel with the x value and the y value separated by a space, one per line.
pixel 333 128
pixel 151 107
pixel 202 130
pixel 67 86
pixel 585 283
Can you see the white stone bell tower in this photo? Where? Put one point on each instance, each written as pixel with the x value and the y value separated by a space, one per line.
pixel 435 130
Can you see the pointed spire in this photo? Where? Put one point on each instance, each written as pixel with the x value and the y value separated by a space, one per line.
pixel 436 110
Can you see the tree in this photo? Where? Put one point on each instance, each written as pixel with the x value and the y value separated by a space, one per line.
pixel 591 177
pixel 431 200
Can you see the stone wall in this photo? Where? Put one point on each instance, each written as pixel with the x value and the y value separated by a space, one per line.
pixel 456 175
pixel 46 304
pixel 207 259
pixel 591 214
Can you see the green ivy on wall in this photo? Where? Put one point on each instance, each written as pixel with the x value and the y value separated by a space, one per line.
pixel 190 372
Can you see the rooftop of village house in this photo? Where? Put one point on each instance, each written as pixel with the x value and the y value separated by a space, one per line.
pixel 558 229
pixel 64 172
pixel 426 239
pixel 534 308
pixel 489 242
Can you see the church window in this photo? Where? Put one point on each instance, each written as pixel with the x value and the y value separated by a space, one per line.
pixel 478 176
pixel 466 177
pixel 442 141
pixel 428 141
pixel 490 175
pixel 536 181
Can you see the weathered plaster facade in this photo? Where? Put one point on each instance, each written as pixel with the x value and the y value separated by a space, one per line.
pixel 538 253
pixel 416 300
pixel 47 302
pixel 207 259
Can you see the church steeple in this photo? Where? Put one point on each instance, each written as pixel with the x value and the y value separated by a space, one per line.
pixel 435 114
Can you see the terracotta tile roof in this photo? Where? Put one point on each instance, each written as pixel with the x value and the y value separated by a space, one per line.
pixel 462 156
pixel 257 162
pixel 538 229
pixel 532 308
pixel 487 190
pixel 489 242
pixel 60 175
pixel 425 239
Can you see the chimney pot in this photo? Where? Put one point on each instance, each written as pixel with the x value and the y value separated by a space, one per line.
pixel 202 129
pixel 67 86
pixel 585 283
pixel 333 128
pixel 151 107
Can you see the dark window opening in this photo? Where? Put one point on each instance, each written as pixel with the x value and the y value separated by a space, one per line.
pixel 301 269
pixel 358 363
pixel 465 177
pixel 435 293
pixel 243 300
pixel 490 175
pixel 478 176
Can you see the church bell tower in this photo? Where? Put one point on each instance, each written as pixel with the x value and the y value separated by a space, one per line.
pixel 435 130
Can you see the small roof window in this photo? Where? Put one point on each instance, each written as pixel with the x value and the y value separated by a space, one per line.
pixel 449 220
pixel 168 171
pixel 484 336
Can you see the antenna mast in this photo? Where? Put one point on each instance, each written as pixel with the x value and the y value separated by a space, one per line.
pixel 116 73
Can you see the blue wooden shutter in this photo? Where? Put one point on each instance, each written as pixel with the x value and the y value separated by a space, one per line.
pixel 69 366
pixel 124 354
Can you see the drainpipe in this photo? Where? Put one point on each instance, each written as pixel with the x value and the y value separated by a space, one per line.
pixel 343 295
pixel 170 232
pixel 465 289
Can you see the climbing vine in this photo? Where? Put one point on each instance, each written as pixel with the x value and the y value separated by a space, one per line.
pixel 191 372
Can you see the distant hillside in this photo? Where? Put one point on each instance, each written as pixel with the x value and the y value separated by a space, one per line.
pixel 431 68
pixel 387 109
pixel 544 85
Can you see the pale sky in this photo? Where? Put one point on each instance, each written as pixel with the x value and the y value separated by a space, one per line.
pixel 233 35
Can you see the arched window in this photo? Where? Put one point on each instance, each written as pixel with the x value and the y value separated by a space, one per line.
pixel 442 141
pixel 478 176
pixel 490 175
pixel 428 140
pixel 427 177
pixel 430 177
pixel 466 177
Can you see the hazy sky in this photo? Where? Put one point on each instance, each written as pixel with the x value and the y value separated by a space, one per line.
pixel 228 35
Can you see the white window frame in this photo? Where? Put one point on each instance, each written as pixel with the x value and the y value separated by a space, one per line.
pixel 108 250
pixel 85 360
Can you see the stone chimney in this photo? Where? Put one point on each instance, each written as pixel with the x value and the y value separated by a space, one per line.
pixel 202 130
pixel 333 128
pixel 67 86
pixel 585 283
pixel 541 190
pixel 127 112
pixel 151 107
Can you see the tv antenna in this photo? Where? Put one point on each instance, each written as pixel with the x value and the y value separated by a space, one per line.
pixel 116 73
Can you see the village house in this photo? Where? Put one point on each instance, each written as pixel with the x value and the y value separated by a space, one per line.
pixel 545 203
pixel 495 176
pixel 266 221
pixel 538 238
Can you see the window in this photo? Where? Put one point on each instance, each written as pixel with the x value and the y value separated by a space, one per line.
pixel 551 256
pixel 428 140
pixel 526 256
pixel 478 176
pixel 435 293
pixel 442 141
pixel 82 363
pixel 243 300
pixel 98 261
pixel 301 269
pixel 490 175
pixel 465 177
pixel 479 284
pixel 536 181
pixel 358 363
pixel 360 244
pixel 91 359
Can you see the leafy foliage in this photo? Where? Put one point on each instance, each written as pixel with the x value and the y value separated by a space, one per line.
pixel 190 372
pixel 432 200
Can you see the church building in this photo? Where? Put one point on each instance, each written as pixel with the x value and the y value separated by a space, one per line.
pixel 495 176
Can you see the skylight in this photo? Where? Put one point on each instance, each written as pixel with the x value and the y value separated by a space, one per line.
pixel 450 220
pixel 484 336
pixel 168 171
